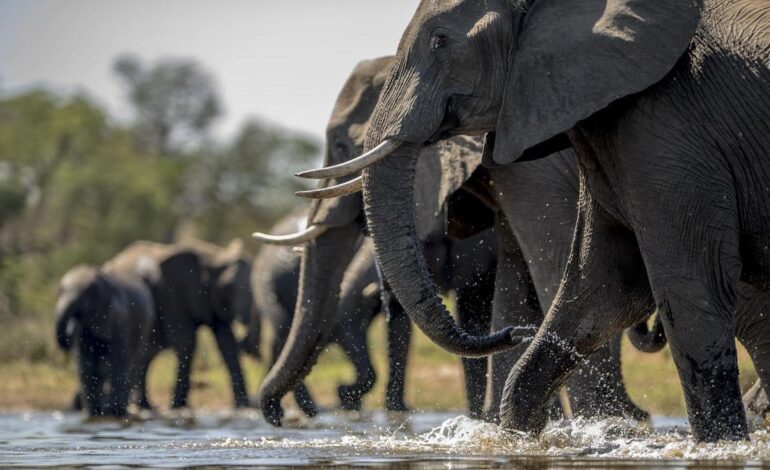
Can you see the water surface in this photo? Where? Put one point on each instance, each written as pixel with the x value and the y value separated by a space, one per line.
pixel 370 439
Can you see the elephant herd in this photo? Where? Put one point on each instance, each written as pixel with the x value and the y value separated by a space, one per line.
pixel 568 169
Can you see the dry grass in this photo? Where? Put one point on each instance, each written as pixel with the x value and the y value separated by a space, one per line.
pixel 434 379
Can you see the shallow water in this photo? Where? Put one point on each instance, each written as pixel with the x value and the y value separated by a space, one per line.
pixel 371 439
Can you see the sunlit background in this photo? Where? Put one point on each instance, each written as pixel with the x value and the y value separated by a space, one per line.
pixel 281 60
pixel 171 119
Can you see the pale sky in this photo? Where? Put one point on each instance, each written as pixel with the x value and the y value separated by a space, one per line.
pixel 283 60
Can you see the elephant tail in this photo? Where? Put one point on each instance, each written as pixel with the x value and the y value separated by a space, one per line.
pixel 65 331
pixel 647 340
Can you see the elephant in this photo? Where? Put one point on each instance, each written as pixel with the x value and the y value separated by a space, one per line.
pixel 108 318
pixel 336 226
pixel 276 277
pixel 666 107
pixel 751 330
pixel 193 284
pixel 275 280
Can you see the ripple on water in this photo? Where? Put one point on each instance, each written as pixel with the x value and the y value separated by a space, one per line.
pixel 342 438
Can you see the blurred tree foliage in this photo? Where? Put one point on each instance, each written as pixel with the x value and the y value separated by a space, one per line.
pixel 76 187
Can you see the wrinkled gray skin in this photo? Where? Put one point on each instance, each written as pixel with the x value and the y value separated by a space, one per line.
pixel 535 214
pixel 275 280
pixel 107 317
pixel 598 389
pixel 193 284
pixel 326 258
pixel 751 329
pixel 667 105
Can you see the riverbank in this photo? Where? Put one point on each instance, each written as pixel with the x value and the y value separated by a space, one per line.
pixel 434 382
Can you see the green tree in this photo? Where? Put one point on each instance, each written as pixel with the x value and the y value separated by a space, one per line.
pixel 74 189
pixel 175 101
pixel 248 183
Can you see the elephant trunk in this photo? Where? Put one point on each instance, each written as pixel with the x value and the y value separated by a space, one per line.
pixel 321 271
pixel 64 324
pixel 538 374
pixel 388 200
pixel 647 340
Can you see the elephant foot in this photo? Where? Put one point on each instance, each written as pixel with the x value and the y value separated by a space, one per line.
pixel 637 413
pixel 178 403
pixel 350 398
pixel 119 414
pixel 77 402
pixel 491 416
pixel 272 411
pixel 396 405
pixel 144 404
pixel 242 402
pixel 308 407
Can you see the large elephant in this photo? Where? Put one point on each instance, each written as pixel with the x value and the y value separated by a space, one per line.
pixel 666 105
pixel 338 218
pixel 193 284
pixel 275 280
pixel 108 317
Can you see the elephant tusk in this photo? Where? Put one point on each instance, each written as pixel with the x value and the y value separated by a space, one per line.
pixel 292 239
pixel 352 166
pixel 349 187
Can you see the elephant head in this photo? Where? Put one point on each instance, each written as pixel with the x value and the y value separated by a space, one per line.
pixel 524 73
pixel 84 302
pixel 335 230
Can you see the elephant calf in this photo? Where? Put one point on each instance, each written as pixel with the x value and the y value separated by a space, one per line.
pixel 193 284
pixel 107 317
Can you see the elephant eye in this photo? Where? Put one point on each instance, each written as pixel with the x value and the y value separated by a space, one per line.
pixel 438 41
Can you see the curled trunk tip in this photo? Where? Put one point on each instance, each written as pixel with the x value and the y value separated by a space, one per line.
pixel 388 198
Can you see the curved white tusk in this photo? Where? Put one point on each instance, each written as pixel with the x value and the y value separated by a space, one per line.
pixel 348 187
pixel 351 166
pixel 292 239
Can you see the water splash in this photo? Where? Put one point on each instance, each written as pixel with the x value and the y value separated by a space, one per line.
pixel 369 437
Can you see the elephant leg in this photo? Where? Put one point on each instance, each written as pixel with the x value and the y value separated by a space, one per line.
pixel 399 338
pixel 77 402
pixel 228 347
pixel 185 349
pixel 753 330
pixel 515 303
pixel 120 382
pixel 474 313
pixel 91 378
pixel 302 395
pixel 604 290
pixel 353 342
pixel 694 281
pixel 596 389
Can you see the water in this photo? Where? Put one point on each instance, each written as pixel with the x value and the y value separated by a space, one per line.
pixel 371 439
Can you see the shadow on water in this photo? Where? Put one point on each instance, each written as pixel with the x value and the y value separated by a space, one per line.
pixel 371 439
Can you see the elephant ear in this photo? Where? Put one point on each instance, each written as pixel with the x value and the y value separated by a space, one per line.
pixel 352 110
pixel 441 170
pixel 574 58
